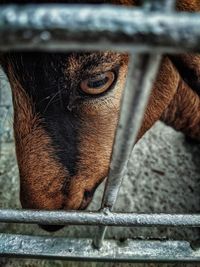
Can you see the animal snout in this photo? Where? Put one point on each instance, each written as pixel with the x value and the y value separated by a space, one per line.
pixel 87 197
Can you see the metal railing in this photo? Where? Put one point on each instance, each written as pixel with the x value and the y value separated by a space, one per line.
pixel 145 33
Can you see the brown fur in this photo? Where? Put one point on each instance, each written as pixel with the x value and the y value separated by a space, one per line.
pixel 162 94
pixel 98 124
pixel 183 113
pixel 35 155
pixel 188 5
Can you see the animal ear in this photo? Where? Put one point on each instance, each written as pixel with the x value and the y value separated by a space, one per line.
pixel 188 66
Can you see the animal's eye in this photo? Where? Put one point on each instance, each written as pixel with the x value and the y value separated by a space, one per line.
pixel 98 84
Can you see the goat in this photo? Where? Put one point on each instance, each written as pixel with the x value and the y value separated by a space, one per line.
pixel 66 108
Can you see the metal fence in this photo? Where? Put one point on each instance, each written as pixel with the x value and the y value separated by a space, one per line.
pixel 145 33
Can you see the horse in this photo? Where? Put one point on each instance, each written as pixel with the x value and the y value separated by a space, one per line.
pixel 66 109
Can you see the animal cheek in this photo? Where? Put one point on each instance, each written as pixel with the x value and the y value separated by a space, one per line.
pixel 92 171
pixel 41 174
pixel 95 146
pixel 41 195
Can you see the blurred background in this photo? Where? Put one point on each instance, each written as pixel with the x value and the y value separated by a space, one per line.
pixel 163 176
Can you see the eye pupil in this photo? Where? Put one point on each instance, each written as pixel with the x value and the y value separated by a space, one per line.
pixel 97 83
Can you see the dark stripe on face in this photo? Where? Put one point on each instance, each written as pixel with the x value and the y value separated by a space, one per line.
pixel 44 78
pixel 63 131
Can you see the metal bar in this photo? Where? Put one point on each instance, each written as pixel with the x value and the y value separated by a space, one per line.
pixel 159 5
pixel 142 71
pixel 98 218
pixel 67 27
pixel 1 124
pixel 81 249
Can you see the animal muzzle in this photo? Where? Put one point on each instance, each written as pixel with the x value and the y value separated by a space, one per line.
pixel 81 202
pixel 85 202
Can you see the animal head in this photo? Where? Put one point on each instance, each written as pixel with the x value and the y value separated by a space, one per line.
pixel 65 113
pixel 66 108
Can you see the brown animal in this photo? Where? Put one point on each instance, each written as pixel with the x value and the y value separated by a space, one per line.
pixel 66 108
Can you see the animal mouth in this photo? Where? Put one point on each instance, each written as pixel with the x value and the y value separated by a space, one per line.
pixel 88 195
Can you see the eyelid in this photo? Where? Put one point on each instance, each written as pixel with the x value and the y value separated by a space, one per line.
pixel 96 72
pixel 97 76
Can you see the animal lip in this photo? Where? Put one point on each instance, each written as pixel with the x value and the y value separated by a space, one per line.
pixel 85 202
pixel 55 228
pixel 87 198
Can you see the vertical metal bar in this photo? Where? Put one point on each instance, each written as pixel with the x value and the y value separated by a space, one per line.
pixel 159 5
pixel 1 119
pixel 142 71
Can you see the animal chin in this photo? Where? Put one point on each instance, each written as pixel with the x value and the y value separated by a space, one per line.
pixel 53 228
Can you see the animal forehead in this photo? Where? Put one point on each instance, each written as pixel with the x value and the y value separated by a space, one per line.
pixel 95 61
pixel 68 63
pixel 34 69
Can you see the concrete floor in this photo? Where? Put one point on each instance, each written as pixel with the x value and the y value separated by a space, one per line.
pixel 163 176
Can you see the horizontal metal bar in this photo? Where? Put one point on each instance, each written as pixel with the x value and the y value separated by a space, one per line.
pixel 81 249
pixel 67 27
pixel 98 218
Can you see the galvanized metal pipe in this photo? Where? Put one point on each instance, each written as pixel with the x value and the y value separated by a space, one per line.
pixel 159 5
pixel 67 27
pixel 142 71
pixel 1 124
pixel 81 249
pixel 97 218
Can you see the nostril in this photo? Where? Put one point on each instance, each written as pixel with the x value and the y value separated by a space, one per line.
pixel 87 197
pixel 51 228
pixel 88 194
